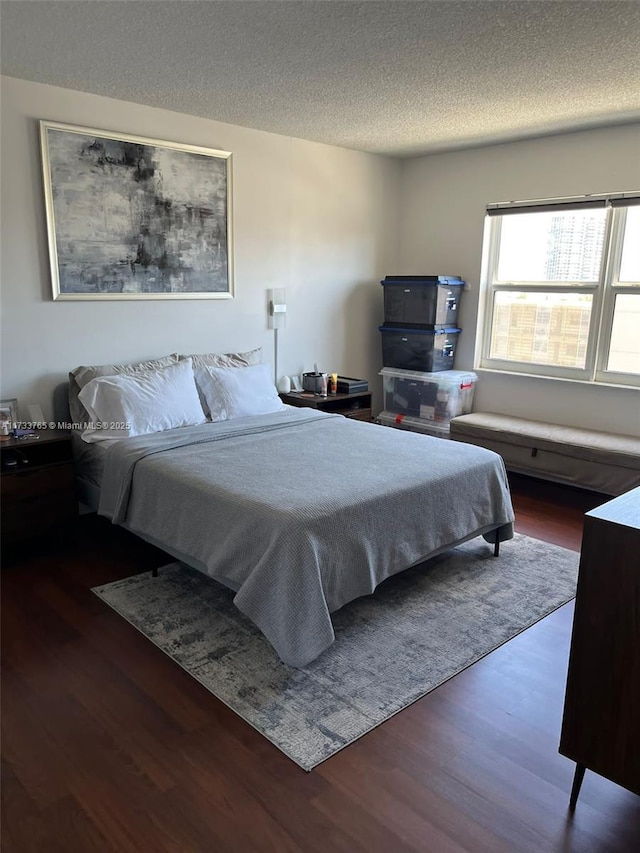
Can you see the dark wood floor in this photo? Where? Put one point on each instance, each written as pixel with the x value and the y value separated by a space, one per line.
pixel 109 746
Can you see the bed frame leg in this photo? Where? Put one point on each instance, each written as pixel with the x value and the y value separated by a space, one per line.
pixel 496 547
pixel 154 573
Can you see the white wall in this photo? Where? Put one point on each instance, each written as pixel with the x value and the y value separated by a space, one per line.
pixel 318 220
pixel 442 205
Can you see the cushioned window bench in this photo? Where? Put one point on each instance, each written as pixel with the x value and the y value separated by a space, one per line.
pixel 600 461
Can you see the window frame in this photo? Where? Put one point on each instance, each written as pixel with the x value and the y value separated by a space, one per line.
pixel 603 291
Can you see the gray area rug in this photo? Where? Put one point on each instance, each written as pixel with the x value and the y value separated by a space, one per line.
pixel 416 631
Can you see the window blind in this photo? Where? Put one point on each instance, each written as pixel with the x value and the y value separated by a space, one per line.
pixel 504 208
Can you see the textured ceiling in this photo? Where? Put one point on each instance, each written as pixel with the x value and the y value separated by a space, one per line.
pixel 393 77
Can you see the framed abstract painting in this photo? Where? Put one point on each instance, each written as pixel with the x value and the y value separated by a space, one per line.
pixel 135 218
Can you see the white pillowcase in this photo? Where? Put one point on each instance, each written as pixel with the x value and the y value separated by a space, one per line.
pixel 140 403
pixel 226 359
pixel 81 376
pixel 237 392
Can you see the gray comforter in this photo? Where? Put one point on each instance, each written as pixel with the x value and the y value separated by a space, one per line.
pixel 300 512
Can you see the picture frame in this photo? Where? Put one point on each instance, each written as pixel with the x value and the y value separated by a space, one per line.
pixel 129 217
pixel 9 411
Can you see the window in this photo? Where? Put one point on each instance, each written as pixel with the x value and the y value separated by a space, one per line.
pixel 563 289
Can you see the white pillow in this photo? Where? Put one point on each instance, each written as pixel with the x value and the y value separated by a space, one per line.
pixel 226 359
pixel 236 392
pixel 81 376
pixel 140 403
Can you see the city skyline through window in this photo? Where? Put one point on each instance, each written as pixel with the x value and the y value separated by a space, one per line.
pixel 565 293
pixel 552 246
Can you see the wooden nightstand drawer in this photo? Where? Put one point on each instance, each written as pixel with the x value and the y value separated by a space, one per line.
pixel 358 414
pixel 36 515
pixel 28 482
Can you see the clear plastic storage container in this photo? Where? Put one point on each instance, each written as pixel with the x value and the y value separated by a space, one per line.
pixel 411 424
pixel 429 396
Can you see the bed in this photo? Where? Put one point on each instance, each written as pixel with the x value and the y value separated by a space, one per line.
pixel 297 511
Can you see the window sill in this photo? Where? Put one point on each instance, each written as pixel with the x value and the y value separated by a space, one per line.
pixel 584 382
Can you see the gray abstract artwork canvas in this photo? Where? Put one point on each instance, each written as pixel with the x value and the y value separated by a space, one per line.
pixel 136 218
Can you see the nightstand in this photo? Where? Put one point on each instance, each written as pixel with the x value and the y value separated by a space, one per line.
pixel 38 491
pixel 356 405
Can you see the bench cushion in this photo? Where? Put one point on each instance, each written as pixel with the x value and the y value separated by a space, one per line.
pixel 601 461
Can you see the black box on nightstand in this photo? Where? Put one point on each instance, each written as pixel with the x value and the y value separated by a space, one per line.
pixel 349 385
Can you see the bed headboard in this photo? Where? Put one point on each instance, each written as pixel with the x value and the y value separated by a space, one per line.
pixel 61 413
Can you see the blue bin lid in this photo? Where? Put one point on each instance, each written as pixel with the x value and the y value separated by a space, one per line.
pixel 422 280
pixel 441 330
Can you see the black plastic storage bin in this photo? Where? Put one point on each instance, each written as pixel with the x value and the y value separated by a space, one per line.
pixel 421 301
pixel 427 350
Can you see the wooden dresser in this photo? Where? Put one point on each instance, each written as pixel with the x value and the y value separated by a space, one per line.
pixel 601 724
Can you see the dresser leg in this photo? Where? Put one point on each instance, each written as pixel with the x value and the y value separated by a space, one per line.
pixel 577 784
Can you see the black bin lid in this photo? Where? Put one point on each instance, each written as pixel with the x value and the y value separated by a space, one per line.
pixel 439 330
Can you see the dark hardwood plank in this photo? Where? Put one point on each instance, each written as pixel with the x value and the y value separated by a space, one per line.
pixel 36 760
pixel 25 827
pixel 108 745
pixel 551 512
